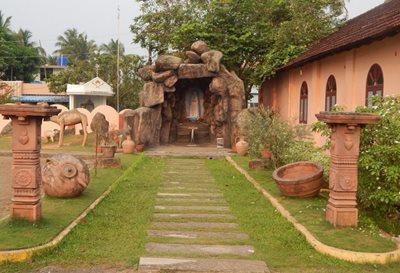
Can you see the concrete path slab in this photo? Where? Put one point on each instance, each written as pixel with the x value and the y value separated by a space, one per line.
pixel 189 208
pixel 190 194
pixel 193 215
pixel 191 200
pixel 240 250
pixel 197 234
pixel 202 265
pixel 195 225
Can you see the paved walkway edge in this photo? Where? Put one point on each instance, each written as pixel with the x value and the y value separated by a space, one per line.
pixel 347 255
pixel 21 255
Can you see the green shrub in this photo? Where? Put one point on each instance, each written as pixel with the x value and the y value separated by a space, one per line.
pixel 265 129
pixel 379 162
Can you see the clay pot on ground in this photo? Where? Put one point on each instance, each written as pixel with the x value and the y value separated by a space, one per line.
pixel 299 179
pixel 140 147
pixel 241 146
pixel 128 146
pixel 266 153
pixel 108 150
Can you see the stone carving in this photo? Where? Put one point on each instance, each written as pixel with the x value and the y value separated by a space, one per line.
pixel 100 126
pixel 64 175
pixel 26 179
pixel 345 139
pixel 165 106
pixel 71 117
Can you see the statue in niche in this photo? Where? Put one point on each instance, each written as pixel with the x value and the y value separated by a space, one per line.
pixel 194 106
pixel 194 101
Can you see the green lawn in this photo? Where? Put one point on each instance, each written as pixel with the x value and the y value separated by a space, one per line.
pixel 115 231
pixel 277 242
pixel 57 213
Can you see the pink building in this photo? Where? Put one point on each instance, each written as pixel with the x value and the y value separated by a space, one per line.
pixel 358 61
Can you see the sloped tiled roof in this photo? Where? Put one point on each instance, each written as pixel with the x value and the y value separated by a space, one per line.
pixel 380 22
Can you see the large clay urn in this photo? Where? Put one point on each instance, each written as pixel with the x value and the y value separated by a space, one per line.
pixel 241 146
pixel 299 179
pixel 128 146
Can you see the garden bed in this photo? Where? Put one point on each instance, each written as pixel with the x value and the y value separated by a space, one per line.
pixel 58 213
pixel 311 213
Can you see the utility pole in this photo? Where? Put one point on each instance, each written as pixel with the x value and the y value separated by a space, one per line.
pixel 118 60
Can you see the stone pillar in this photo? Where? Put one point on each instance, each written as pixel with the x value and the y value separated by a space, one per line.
pixel 343 175
pixel 26 173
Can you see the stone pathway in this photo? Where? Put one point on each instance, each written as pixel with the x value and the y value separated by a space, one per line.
pixel 193 229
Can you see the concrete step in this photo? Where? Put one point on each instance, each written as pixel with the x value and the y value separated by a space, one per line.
pixel 189 189
pixel 193 215
pixel 201 265
pixel 191 208
pixel 197 234
pixel 208 225
pixel 215 250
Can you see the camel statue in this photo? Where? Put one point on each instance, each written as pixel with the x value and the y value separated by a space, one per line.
pixel 70 117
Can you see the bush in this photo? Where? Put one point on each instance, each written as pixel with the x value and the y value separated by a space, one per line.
pixel 264 129
pixel 379 184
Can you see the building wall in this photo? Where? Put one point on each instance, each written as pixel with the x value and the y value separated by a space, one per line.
pixel 350 69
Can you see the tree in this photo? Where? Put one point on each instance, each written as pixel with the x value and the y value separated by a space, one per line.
pixel 75 46
pixel 19 59
pixel 83 71
pixel 112 48
pixel 256 37
pixel 5 22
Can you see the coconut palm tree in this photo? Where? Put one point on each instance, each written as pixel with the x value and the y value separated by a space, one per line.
pixel 5 22
pixel 112 47
pixel 24 38
pixel 75 46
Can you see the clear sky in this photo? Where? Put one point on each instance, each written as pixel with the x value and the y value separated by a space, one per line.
pixel 47 19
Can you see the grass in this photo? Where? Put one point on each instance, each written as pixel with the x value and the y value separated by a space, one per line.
pixel 311 213
pixel 115 231
pixel 57 212
pixel 71 143
pixel 276 241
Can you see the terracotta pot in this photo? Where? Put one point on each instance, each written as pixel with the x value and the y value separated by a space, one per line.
pixel 266 154
pixel 234 150
pixel 242 146
pixel 128 146
pixel 108 150
pixel 299 179
pixel 139 147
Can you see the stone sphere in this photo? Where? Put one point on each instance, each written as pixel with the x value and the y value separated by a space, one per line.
pixel 64 175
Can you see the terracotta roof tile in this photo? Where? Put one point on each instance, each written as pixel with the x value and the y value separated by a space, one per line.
pixel 382 21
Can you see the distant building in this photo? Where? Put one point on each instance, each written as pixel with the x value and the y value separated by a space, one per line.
pixel 89 95
pixel 253 101
pixel 348 67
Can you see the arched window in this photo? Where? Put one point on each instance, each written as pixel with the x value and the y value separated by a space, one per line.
pixel 303 103
pixel 374 83
pixel 330 95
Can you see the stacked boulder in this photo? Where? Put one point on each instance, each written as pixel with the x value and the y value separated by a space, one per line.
pixel 155 121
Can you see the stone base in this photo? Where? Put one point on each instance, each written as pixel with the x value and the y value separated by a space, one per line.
pixel 256 164
pixel 26 211
pixel 108 163
pixel 344 217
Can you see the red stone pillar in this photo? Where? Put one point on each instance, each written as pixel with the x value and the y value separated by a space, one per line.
pixel 26 173
pixel 343 174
